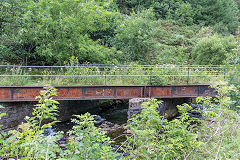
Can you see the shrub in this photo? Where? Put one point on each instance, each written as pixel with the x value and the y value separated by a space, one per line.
pixel 220 131
pixel 134 34
pixel 29 141
pixel 87 142
pixel 213 50
pixel 215 136
pixel 1 114
pixel 154 137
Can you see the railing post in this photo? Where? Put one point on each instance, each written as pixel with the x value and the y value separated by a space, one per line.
pixel 188 76
pixel 150 77
pixel 105 78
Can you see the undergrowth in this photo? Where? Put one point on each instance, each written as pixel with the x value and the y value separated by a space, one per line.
pixel 215 136
pixel 29 142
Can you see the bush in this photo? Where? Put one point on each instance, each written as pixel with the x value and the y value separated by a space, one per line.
pixel 134 35
pixel 87 142
pixel 220 131
pixel 215 136
pixel 213 50
pixel 29 141
pixel 154 137
pixel 143 38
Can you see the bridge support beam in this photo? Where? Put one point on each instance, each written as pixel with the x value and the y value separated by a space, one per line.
pixel 167 107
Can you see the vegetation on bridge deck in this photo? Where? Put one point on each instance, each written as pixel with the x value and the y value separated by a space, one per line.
pixel 75 74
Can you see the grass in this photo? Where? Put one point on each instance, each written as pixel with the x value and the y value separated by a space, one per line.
pixel 107 76
pixel 220 137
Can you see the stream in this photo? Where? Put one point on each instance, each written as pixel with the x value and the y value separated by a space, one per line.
pixel 111 120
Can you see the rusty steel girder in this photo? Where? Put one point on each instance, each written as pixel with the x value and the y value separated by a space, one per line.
pixel 16 94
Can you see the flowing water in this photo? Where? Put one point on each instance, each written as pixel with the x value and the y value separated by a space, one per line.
pixel 114 115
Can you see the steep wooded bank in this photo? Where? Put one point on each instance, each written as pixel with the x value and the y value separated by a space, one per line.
pixel 49 32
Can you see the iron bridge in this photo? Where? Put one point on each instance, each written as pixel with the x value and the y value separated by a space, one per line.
pixel 21 94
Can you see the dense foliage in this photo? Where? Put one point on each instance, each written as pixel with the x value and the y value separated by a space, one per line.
pixel 46 32
pixel 213 50
pixel 163 139
pixel 49 32
pixel 222 14
pixel 158 41
pixel 216 135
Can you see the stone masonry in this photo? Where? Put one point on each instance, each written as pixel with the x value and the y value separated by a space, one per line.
pixel 168 106
pixel 16 112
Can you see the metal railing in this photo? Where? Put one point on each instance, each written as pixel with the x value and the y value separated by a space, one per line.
pixel 115 71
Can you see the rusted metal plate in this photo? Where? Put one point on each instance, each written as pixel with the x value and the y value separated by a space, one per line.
pixel 4 93
pixel 184 91
pixel 24 93
pixel 159 92
pixel 98 92
pixel 67 93
pixel 14 94
pixel 205 90
pixel 129 92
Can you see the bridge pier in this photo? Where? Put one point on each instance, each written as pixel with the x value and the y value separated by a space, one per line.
pixel 16 112
pixel 168 106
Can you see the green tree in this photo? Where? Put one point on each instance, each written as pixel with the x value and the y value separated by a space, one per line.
pixel 134 35
pixel 49 33
pixel 213 50
pixel 222 14
pixel 12 47
pixel 163 9
pixel 143 38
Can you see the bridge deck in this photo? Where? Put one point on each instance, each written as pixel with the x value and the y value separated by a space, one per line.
pixel 16 94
